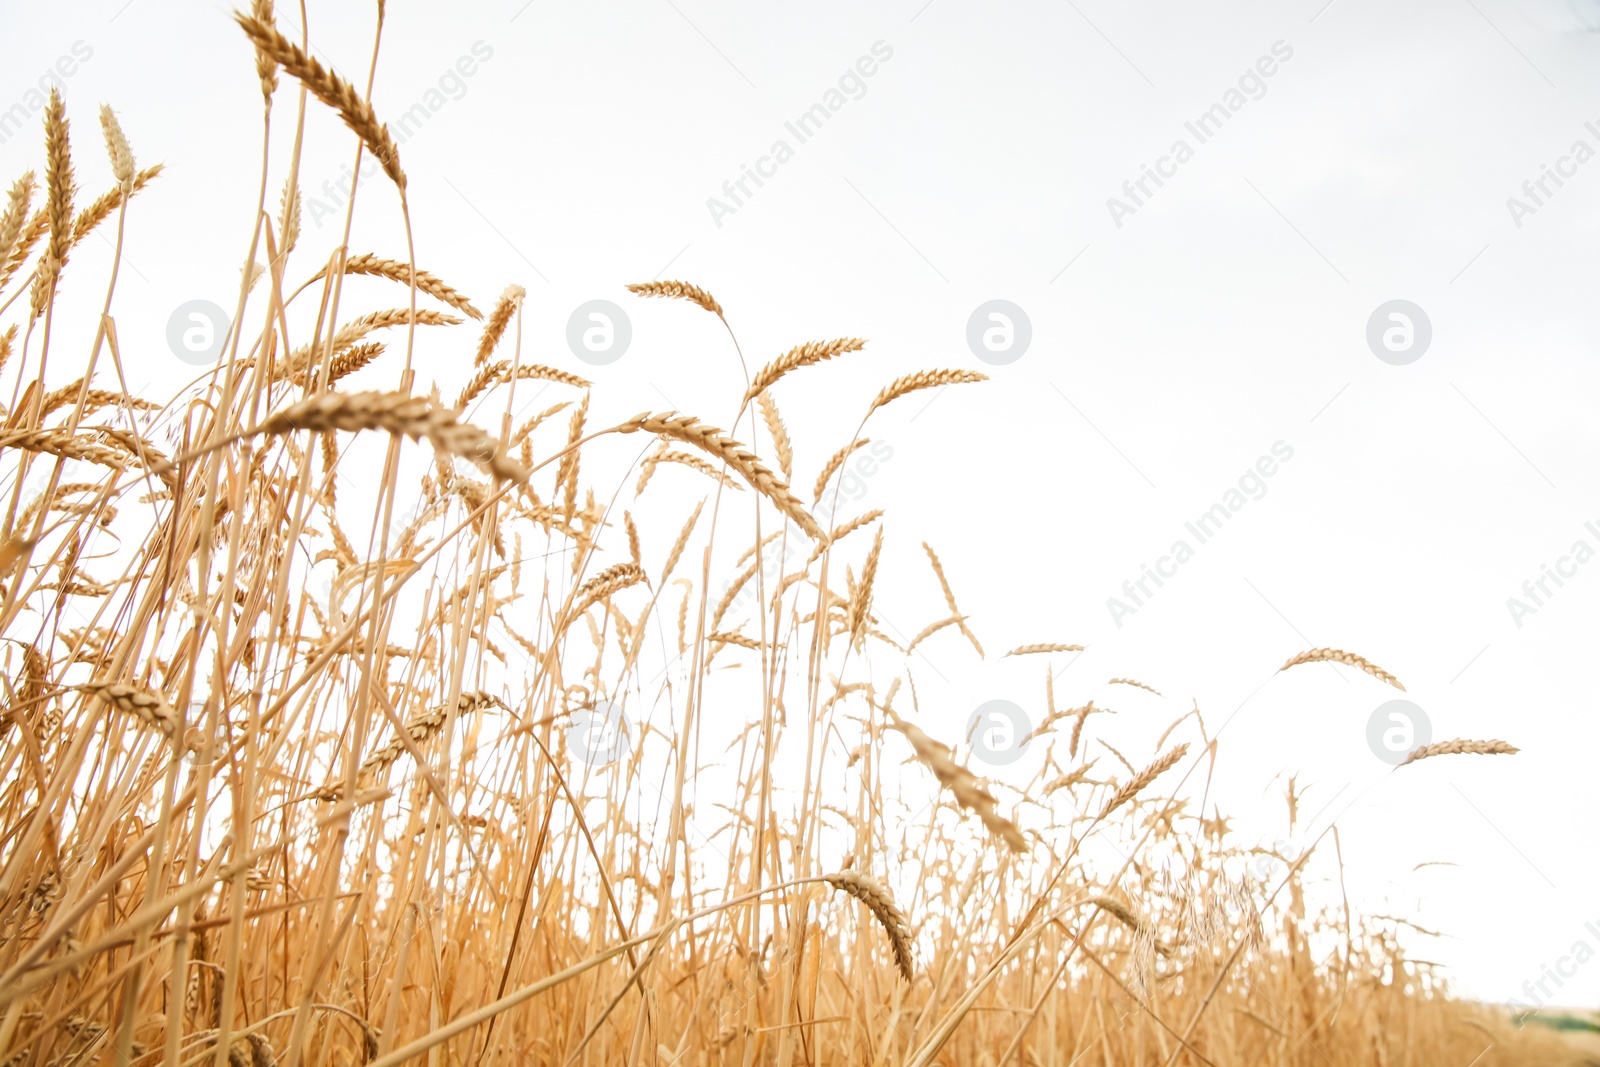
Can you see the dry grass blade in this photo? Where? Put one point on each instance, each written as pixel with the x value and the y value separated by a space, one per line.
pixel 712 441
pixel 1349 659
pixel 801 356
pixel 396 271
pixel 330 89
pixel 882 906
pixel 1138 782
pixel 1461 747
pixel 679 291
pixel 927 379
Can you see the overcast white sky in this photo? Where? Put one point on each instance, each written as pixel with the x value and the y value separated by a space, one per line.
pixel 1172 346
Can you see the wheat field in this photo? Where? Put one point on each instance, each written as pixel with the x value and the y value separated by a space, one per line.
pixel 473 766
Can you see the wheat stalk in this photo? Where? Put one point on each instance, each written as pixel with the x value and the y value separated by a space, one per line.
pixel 1349 659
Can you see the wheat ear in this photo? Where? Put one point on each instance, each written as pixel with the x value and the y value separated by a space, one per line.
pixel 1349 659
pixel 394 270
pixel 882 906
pixel 1461 747
pixel 679 291
pixel 413 416
pixel 778 431
pixel 1033 650
pixel 330 89
pixel 969 792
pixel 1138 782
pixel 802 356
pixel 713 441
pixel 1135 683
pixel 499 318
pixel 926 379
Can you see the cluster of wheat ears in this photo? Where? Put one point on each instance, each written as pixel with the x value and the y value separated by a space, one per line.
pixel 242 822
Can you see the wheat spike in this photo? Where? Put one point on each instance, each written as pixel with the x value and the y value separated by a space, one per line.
pixel 266 66
pixel 1461 747
pixel 926 379
pixel 679 291
pixel 101 209
pixel 499 372
pixel 777 430
pixel 831 467
pixel 1349 659
pixel 499 318
pixel 711 440
pixel 117 148
pixel 882 906
pixel 17 203
pixel 950 598
pixel 396 271
pixel 969 792
pixel 1138 782
pixel 414 417
pixel 1135 684
pixel 330 89
pixel 802 356
pixel 1033 650
pixel 861 603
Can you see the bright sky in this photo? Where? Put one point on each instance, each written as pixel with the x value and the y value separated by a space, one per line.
pixel 1196 341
